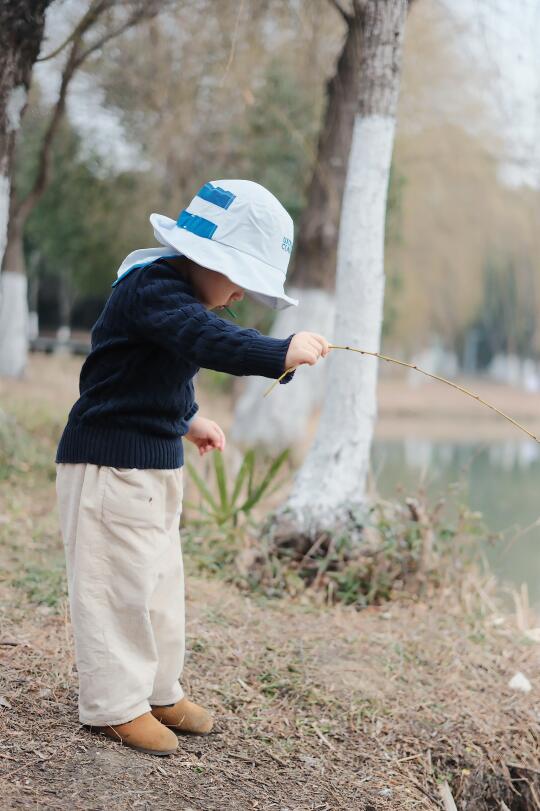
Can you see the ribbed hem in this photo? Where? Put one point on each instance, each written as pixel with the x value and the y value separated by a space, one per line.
pixel 191 413
pixel 116 447
pixel 266 356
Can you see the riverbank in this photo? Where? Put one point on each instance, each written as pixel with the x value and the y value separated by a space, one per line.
pixel 317 707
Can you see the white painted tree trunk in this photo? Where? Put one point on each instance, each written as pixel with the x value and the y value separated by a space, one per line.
pixel 277 421
pixel 281 420
pixel 329 491
pixel 21 31
pixel 5 188
pixel 13 323
pixel 14 313
pixel 332 478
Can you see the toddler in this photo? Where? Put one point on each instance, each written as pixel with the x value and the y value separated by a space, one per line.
pixel 119 462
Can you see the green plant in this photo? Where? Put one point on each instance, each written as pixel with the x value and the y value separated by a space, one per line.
pixel 237 498
pixel 44 585
pixel 21 448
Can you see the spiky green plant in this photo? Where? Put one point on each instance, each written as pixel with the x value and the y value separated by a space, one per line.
pixel 234 498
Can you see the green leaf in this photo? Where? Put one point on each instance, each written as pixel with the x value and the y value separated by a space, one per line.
pixel 221 478
pixel 270 475
pixel 198 507
pixel 245 468
pixel 251 472
pixel 201 486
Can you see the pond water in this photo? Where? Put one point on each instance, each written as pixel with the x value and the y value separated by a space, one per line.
pixel 500 479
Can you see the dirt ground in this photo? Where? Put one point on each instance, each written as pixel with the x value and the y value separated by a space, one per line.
pixel 317 708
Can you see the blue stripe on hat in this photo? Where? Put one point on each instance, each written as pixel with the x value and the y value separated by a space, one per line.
pixel 195 224
pixel 215 194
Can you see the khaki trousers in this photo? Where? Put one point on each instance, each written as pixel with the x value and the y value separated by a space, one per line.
pixel 120 528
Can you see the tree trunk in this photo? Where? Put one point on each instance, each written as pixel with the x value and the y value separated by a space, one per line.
pixel 313 266
pixel 329 491
pixel 65 307
pixel 21 31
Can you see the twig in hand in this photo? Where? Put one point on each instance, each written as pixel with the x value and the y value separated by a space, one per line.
pixel 422 371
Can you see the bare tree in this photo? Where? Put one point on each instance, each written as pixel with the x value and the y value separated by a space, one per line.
pixel 21 32
pixel 103 21
pixel 329 490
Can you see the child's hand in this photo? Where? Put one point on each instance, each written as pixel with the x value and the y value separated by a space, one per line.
pixel 306 347
pixel 206 435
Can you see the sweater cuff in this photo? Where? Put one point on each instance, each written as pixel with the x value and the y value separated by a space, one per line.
pixel 191 413
pixel 288 377
pixel 265 356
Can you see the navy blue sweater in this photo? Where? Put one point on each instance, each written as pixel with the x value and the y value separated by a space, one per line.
pixel 136 387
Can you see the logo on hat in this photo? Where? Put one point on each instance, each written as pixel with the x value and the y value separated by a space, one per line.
pixel 286 244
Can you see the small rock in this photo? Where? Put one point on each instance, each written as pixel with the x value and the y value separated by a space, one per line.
pixel 5 703
pixel 520 682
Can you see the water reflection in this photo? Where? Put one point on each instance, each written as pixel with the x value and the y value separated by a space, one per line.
pixel 420 454
pixel 500 479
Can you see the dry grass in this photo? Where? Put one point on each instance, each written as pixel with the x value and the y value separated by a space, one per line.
pixel 342 710
pixel 316 708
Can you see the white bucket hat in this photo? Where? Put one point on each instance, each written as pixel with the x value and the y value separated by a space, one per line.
pixel 236 227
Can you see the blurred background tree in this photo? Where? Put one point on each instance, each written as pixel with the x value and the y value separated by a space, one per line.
pixel 507 321
pixel 196 94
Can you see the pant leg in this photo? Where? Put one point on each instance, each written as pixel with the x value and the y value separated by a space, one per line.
pixel 167 609
pixel 113 546
pixel 69 482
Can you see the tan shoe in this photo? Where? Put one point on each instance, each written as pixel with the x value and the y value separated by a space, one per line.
pixel 144 734
pixel 185 716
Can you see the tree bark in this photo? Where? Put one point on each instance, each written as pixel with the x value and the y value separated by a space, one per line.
pixel 21 32
pixel 272 423
pixel 314 262
pixel 328 494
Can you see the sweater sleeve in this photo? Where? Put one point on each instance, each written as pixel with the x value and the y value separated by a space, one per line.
pixel 166 314
pixel 194 406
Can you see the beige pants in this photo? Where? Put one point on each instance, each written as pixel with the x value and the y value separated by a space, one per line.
pixel 120 528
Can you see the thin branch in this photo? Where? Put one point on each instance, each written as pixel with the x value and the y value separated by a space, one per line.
pixel 145 12
pixel 428 374
pixel 446 797
pixel 233 44
pixel 103 40
pixel 346 16
pixel 81 27
pixel 23 207
pixel 75 59
pixel 359 7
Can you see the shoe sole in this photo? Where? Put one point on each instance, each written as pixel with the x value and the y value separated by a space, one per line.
pixel 148 751
pixel 121 742
pixel 185 731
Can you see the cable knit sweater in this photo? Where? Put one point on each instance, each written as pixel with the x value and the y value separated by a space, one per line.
pixel 136 385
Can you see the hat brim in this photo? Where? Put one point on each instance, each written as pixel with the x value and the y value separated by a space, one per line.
pixel 261 281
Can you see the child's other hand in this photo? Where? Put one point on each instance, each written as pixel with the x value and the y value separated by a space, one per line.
pixel 306 347
pixel 206 435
